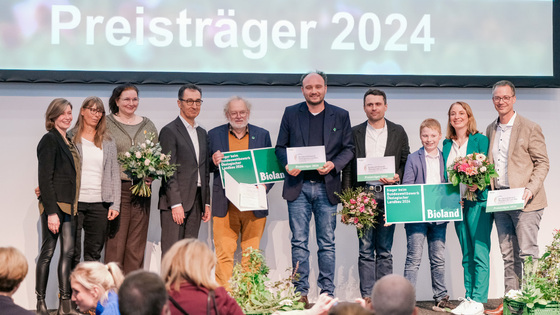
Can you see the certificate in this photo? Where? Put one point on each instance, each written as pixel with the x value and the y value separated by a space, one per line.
pixel 373 169
pixel 422 203
pixel 306 158
pixel 505 200
pixel 246 197
pixel 255 166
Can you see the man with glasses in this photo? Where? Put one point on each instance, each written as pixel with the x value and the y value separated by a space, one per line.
pixel 518 150
pixel 228 221
pixel 376 137
pixel 184 198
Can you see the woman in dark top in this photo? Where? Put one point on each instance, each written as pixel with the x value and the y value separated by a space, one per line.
pixel 59 182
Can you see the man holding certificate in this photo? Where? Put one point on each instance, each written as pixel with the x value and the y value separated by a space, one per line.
pixel 518 150
pixel 229 221
pixel 376 139
pixel 314 123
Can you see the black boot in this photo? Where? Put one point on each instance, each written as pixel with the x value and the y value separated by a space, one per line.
pixel 42 306
pixel 65 307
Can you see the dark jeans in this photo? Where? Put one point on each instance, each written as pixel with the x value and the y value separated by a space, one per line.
pixel 375 259
pixel 92 218
pixel 48 245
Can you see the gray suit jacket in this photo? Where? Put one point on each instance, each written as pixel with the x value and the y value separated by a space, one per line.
pixel 181 187
pixel 527 159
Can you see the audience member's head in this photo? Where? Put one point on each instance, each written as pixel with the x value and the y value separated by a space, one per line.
pixel 349 308
pixel 393 295
pixel 188 260
pixel 13 269
pixel 92 281
pixel 142 293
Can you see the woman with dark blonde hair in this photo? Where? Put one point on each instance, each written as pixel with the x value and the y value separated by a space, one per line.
pixel 59 182
pixel 13 269
pixel 100 190
pixel 186 269
pixel 474 231
pixel 95 286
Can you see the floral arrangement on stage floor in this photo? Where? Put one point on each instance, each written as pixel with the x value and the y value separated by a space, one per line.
pixel 359 208
pixel 146 161
pixel 473 169
pixel 540 287
pixel 256 293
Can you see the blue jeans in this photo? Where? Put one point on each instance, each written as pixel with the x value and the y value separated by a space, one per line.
pixel 375 260
pixel 313 200
pixel 517 234
pixel 416 233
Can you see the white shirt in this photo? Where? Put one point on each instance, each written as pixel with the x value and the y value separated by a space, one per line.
pixel 500 151
pixel 432 168
pixel 376 141
pixel 456 152
pixel 92 172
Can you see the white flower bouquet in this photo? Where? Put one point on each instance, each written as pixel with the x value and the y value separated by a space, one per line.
pixel 146 161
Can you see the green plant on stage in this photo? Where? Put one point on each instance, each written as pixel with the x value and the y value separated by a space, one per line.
pixel 541 277
pixel 256 293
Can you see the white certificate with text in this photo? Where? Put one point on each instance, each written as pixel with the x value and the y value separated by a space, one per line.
pixel 306 158
pixel 246 197
pixel 505 200
pixel 372 169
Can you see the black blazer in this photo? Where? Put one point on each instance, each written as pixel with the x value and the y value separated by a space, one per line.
pixel 57 172
pixel 397 146
pixel 181 187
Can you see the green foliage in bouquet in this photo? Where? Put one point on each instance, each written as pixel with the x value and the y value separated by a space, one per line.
pixel 359 208
pixel 541 278
pixel 146 160
pixel 256 293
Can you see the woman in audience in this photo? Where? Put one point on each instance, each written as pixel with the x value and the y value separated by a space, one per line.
pixel 100 190
pixel 59 181
pixel 187 271
pixel 95 285
pixel 13 268
pixel 129 232
pixel 474 231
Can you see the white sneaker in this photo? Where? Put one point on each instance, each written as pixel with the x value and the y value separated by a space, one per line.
pixel 474 308
pixel 462 306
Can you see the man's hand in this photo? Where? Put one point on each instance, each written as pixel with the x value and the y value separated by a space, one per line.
pixel 326 168
pixel 53 223
pixel 295 172
pixel 112 214
pixel 207 213
pixel 527 195
pixel 178 214
pixel 390 181
pixel 323 305
pixel 217 157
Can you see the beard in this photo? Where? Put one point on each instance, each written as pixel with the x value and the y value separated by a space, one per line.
pixel 238 125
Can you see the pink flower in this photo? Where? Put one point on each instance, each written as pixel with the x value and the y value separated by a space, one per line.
pixel 356 220
pixel 362 209
pixel 352 201
pixel 147 162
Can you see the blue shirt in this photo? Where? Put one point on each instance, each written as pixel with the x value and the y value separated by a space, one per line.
pixel 110 307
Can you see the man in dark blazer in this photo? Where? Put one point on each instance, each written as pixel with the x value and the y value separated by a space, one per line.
pixel 376 137
pixel 314 123
pixel 184 198
pixel 229 222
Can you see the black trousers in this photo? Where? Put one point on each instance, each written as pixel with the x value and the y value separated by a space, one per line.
pixel 92 219
pixel 48 245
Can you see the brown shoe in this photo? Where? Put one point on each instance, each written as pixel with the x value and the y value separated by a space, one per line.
pixel 303 299
pixel 498 311
pixel 443 305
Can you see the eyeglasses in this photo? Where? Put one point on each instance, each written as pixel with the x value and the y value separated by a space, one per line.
pixel 128 100
pixel 238 114
pixel 506 98
pixel 190 102
pixel 95 111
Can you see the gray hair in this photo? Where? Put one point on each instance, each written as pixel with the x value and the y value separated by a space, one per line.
pixel 393 295
pixel 236 98
pixel 504 83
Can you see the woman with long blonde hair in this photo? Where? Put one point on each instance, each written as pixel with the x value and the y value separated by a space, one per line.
pixel 95 286
pixel 187 272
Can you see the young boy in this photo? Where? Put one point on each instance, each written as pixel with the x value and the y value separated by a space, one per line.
pixel 425 166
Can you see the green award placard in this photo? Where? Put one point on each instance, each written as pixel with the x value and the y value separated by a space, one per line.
pixel 255 166
pixel 422 203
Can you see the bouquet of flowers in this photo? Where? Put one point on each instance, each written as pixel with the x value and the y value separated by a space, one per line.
pixel 359 208
pixel 473 169
pixel 145 160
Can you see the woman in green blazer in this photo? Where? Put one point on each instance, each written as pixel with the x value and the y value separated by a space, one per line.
pixel 474 231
